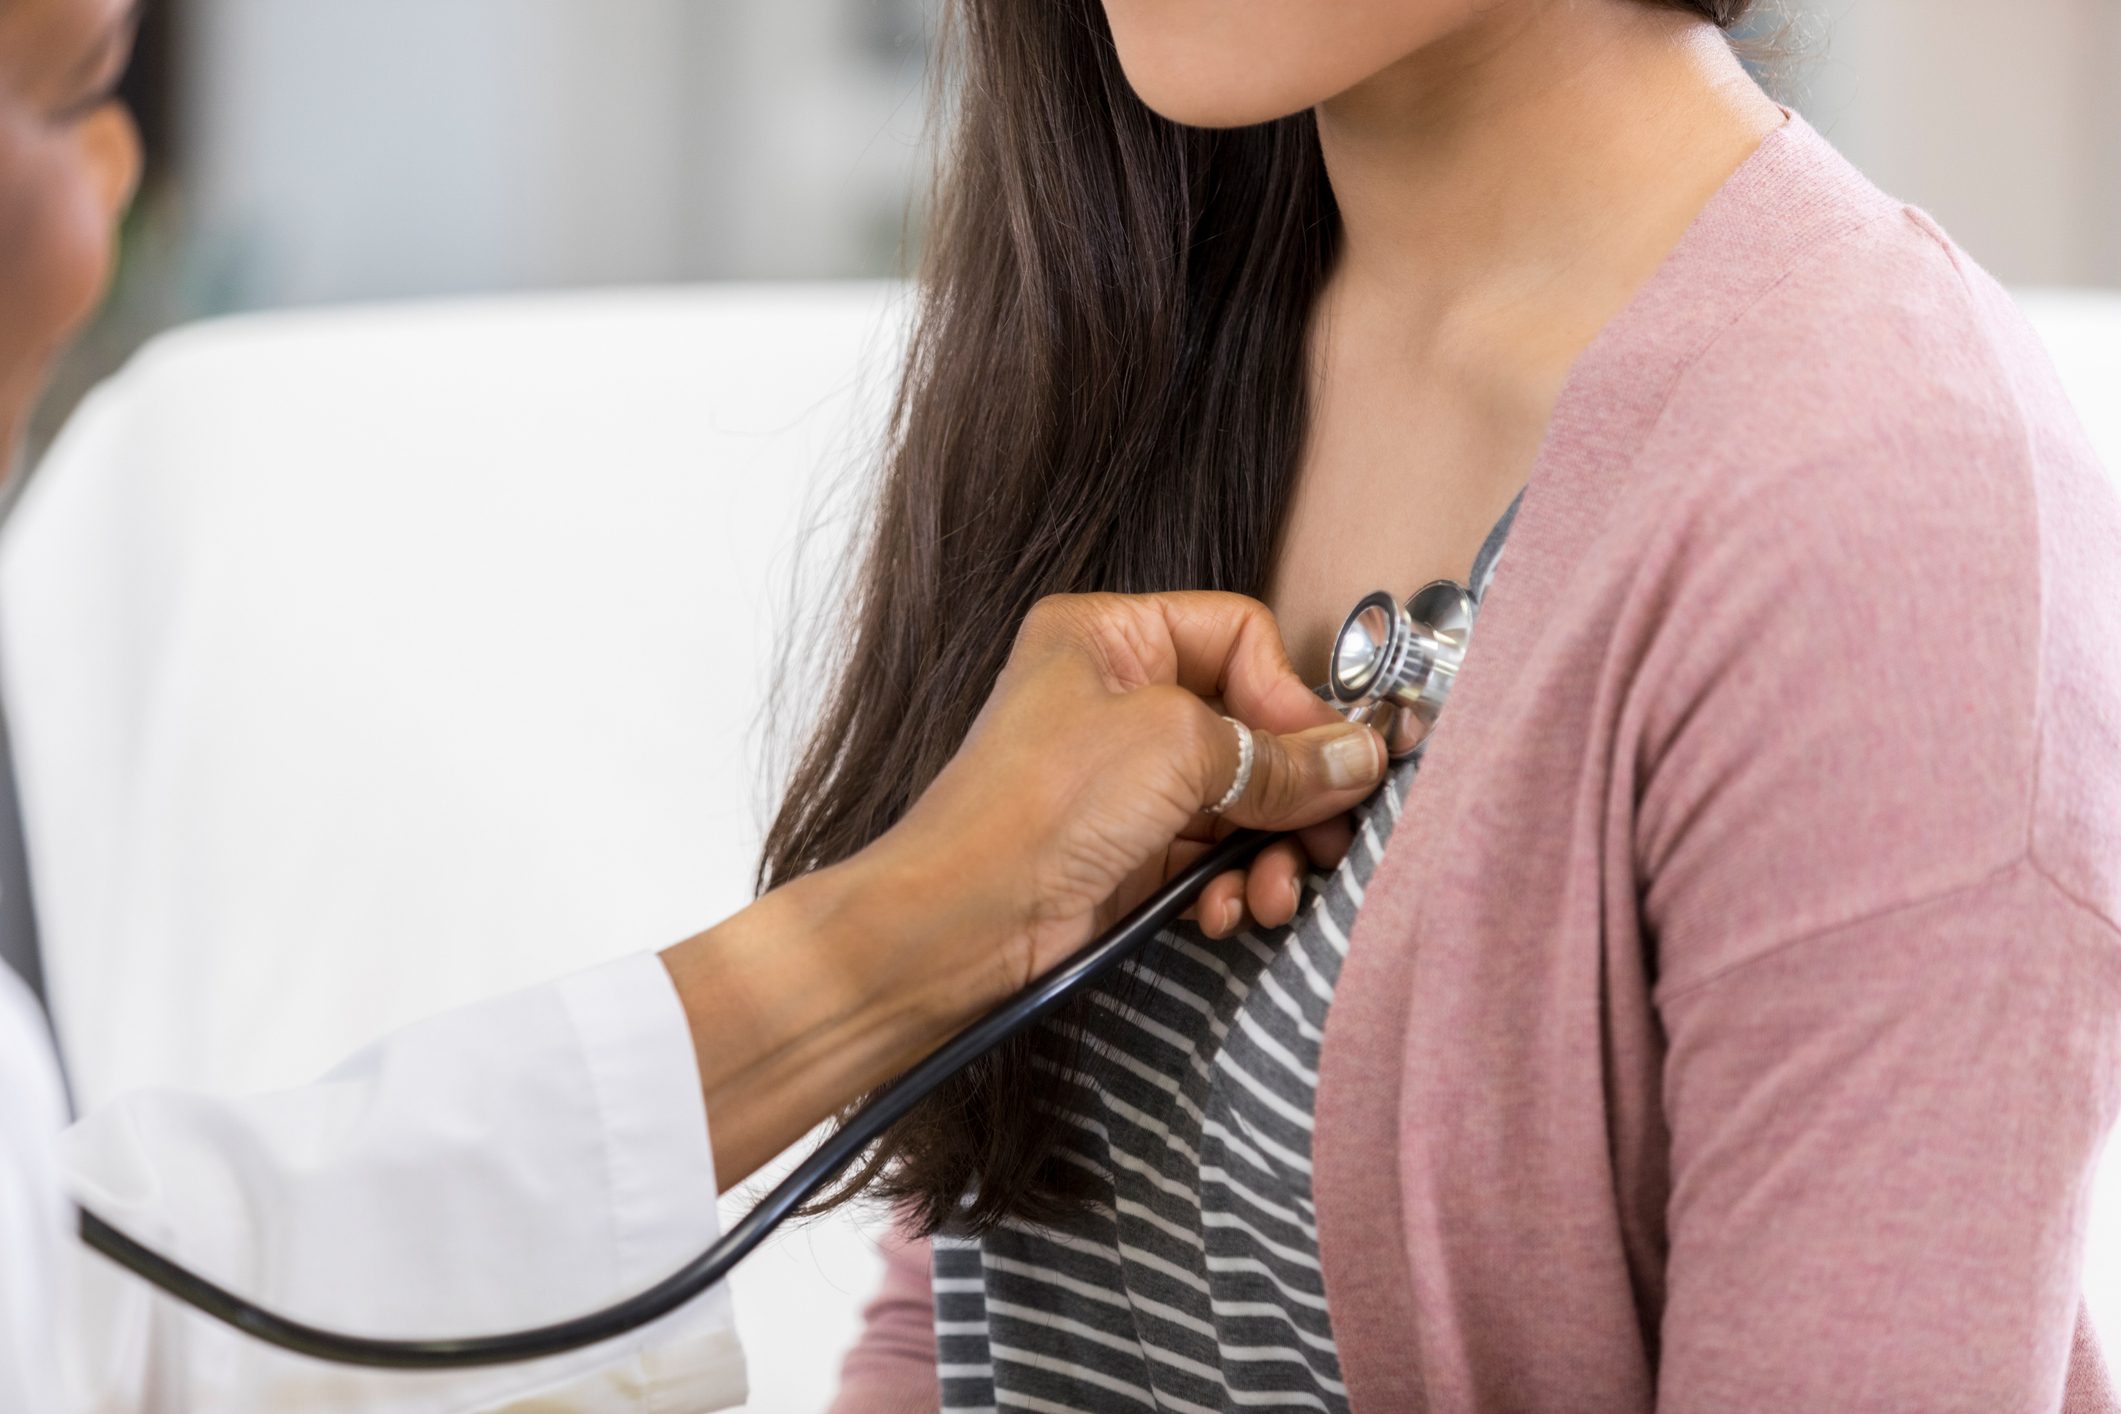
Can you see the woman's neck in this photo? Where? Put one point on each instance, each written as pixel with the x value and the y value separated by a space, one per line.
pixel 1502 194
pixel 1502 191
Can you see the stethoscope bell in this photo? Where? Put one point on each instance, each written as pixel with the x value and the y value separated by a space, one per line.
pixel 1393 664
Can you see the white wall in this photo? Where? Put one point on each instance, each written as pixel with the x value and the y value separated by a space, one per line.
pixel 2001 120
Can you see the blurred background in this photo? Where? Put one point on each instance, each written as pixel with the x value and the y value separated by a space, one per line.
pixel 324 680
pixel 314 151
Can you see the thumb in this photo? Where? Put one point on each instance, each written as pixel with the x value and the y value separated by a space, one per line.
pixel 1307 776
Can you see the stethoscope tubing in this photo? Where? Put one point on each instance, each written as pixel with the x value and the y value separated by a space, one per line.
pixel 1096 958
pixel 1407 660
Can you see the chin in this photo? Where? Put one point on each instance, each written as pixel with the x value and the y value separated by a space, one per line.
pixel 1214 106
pixel 1231 63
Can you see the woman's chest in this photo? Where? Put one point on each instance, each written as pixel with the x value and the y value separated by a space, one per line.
pixel 1488 1117
pixel 1397 486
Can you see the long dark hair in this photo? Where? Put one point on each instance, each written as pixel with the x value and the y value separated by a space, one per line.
pixel 1103 391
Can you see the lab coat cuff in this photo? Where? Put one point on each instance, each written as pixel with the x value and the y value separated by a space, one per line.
pixel 637 1045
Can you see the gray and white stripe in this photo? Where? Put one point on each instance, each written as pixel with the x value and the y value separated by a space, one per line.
pixel 1193 1281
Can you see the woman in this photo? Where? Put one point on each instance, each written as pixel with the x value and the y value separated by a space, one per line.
pixel 1728 1021
pixel 543 1154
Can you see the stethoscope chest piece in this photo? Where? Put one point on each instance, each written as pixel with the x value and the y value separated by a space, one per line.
pixel 1393 663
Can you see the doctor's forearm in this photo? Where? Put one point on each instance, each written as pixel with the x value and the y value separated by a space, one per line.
pixel 816 993
pixel 1093 754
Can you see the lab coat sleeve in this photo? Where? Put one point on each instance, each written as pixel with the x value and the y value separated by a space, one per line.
pixel 504 1165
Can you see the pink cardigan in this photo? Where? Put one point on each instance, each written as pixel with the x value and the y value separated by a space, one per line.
pixel 1736 1020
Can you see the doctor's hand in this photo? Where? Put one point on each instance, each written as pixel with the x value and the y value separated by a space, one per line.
pixel 1082 784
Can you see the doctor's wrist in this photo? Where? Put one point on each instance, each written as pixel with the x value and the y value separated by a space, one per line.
pixel 819 991
pixel 915 939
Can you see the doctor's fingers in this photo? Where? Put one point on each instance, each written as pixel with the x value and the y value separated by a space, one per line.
pixel 1299 780
pixel 1269 891
pixel 1295 779
pixel 1265 893
pixel 1217 645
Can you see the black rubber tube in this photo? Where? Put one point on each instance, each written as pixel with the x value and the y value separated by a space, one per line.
pixel 1121 941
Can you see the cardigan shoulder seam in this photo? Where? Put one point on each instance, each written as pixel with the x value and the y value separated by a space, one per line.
pixel 2028 463
pixel 2020 858
pixel 2082 905
pixel 1814 254
pixel 2026 852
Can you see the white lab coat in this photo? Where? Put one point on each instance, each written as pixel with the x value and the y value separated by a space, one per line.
pixel 502 1165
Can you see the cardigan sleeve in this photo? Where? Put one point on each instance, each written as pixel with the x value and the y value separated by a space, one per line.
pixel 1882 1141
pixel 1875 783
pixel 891 1369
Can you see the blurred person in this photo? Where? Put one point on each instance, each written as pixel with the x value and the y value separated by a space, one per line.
pixel 532 1157
pixel 1725 1014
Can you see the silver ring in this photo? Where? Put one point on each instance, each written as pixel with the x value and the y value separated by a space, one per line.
pixel 1244 768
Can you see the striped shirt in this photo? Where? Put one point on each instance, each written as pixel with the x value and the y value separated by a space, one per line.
pixel 1193 1281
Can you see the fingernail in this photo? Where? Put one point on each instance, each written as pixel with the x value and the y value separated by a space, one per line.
pixel 1232 911
pixel 1353 757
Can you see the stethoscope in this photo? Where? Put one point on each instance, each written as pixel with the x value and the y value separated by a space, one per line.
pixel 1392 668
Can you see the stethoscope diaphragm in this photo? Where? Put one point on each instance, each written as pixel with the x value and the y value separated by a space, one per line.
pixel 1393 664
